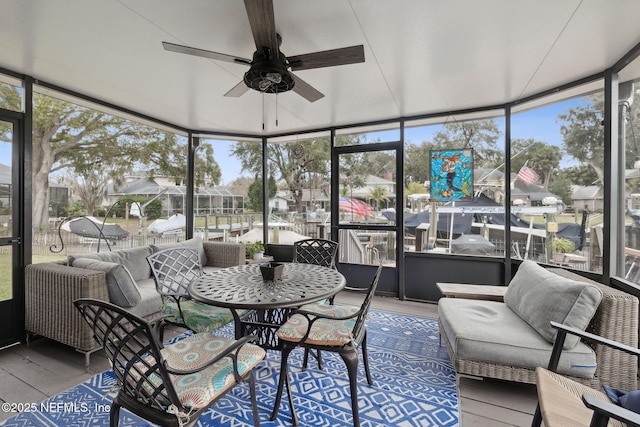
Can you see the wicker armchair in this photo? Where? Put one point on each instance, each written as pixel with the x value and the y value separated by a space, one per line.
pixel 616 319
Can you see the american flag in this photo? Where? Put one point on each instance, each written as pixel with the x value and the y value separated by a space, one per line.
pixel 355 206
pixel 527 175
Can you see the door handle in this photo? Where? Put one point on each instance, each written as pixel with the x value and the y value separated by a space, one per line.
pixel 10 241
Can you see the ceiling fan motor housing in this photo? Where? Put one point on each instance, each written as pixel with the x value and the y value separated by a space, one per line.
pixel 268 74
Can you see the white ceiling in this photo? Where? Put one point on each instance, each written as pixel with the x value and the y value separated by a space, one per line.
pixel 421 56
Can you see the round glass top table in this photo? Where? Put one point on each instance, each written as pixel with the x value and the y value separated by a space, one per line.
pixel 242 288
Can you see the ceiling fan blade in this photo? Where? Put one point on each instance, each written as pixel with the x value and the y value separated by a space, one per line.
pixel 238 90
pixel 263 24
pixel 305 90
pixel 327 58
pixel 172 47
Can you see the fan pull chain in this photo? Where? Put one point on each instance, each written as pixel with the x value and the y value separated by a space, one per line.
pixel 276 109
pixel 262 110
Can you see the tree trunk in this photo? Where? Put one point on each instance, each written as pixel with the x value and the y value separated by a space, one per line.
pixel 40 200
pixel 43 159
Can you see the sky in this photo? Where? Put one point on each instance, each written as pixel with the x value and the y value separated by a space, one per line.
pixel 539 124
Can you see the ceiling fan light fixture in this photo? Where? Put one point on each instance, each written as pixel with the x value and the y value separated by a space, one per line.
pixel 269 75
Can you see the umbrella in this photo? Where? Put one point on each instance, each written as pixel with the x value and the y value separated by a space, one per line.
pixel 90 227
pixel 355 206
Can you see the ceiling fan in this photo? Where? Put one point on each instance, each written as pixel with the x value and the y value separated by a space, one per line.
pixel 269 68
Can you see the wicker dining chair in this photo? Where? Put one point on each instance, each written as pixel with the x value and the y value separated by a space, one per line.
pixel 173 270
pixel 163 384
pixel 333 328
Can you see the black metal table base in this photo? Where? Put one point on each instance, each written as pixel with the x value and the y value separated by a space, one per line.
pixel 262 323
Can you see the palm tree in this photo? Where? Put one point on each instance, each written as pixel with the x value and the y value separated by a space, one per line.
pixel 378 194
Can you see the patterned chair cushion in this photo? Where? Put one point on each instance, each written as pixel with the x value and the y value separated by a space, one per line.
pixel 324 331
pixel 199 317
pixel 198 390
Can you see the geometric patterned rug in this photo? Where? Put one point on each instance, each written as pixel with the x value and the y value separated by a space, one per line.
pixel 414 385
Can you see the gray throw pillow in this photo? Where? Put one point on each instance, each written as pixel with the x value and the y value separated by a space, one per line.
pixel 123 290
pixel 195 242
pixel 539 296
pixel 133 259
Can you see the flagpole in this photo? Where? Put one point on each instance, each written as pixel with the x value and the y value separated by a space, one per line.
pixel 503 163
pixel 453 204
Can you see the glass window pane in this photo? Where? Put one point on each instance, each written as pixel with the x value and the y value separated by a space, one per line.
pixel 6 272
pixel 367 187
pixel 367 247
pixel 11 94
pixel 222 188
pixel 629 134
pixel 557 164
pixel 367 135
pixel 463 195
pixel 6 209
pixel 299 188
pixel 123 177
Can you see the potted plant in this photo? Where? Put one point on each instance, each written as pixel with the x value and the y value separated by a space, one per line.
pixel 254 250
pixel 562 245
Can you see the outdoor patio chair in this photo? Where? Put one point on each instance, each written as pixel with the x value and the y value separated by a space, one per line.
pixel 164 384
pixel 316 251
pixel 319 252
pixel 334 328
pixel 173 270
pixel 563 402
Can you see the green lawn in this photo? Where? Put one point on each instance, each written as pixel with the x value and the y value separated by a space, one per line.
pixel 5 276
pixel 5 271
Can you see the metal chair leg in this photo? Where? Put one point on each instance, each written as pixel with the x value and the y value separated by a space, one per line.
pixel 365 358
pixel 351 360
pixel 114 414
pixel 317 355
pixel 254 400
pixel 537 417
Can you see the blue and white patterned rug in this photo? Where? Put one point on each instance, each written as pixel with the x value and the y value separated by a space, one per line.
pixel 414 385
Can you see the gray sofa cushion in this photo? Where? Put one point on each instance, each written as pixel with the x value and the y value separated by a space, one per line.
pixel 539 296
pixel 123 290
pixel 489 331
pixel 134 259
pixel 195 242
pixel 151 301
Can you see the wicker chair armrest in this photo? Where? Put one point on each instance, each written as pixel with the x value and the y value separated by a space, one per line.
pixel 50 289
pixel 604 410
pixel 224 254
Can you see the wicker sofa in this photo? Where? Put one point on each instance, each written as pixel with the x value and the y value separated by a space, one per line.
pixel 615 318
pixel 51 288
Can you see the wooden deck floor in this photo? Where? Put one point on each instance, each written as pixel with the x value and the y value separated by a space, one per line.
pixel 32 374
